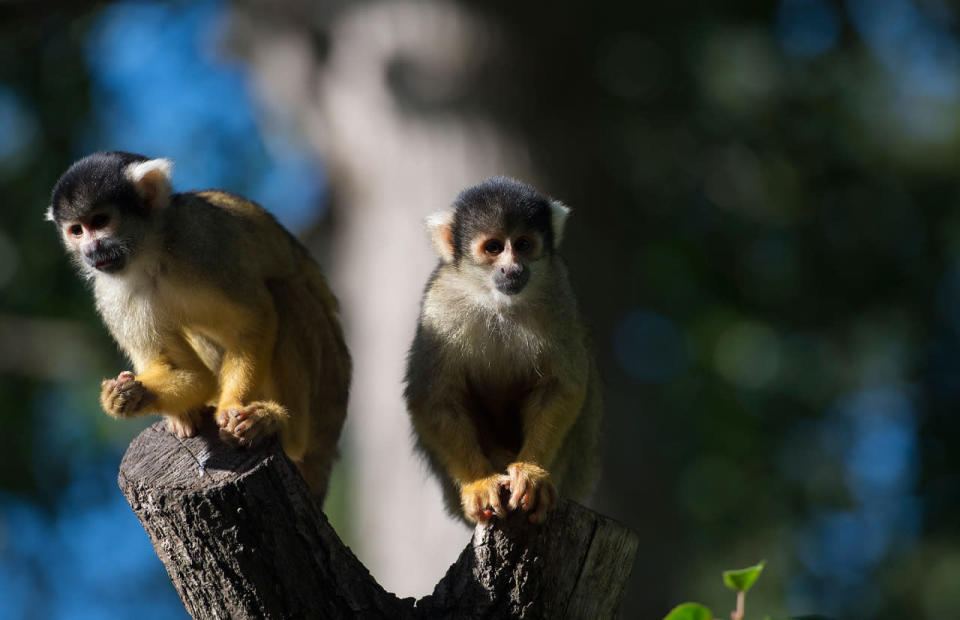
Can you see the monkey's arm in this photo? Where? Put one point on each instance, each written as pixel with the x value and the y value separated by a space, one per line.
pixel 171 381
pixel 551 411
pixel 548 415
pixel 449 435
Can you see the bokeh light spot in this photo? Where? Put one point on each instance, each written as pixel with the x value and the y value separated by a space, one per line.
pixel 649 346
pixel 748 354
pixel 807 28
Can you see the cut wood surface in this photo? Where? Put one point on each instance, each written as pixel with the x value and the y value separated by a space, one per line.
pixel 241 537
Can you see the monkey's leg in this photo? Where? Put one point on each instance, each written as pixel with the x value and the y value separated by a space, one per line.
pixel 549 414
pixel 448 433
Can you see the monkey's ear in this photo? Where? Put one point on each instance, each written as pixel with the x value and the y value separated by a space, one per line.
pixel 48 214
pixel 440 225
pixel 558 218
pixel 151 179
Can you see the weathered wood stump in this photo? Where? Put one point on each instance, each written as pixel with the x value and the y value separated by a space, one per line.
pixel 241 537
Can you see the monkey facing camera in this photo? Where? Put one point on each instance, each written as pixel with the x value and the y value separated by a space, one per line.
pixel 501 386
pixel 219 308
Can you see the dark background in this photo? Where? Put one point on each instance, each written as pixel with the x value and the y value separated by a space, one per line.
pixel 766 243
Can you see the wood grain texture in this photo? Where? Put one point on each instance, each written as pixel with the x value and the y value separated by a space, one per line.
pixel 241 537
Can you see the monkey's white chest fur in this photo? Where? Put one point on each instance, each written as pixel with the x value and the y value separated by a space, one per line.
pixel 485 338
pixel 133 310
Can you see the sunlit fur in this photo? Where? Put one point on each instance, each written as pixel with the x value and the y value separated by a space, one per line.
pixel 497 385
pixel 217 305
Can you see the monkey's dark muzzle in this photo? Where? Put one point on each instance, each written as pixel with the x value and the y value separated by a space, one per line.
pixel 511 280
pixel 108 261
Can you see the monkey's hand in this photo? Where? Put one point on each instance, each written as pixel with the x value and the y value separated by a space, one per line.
pixel 531 490
pixel 249 425
pixel 481 498
pixel 123 396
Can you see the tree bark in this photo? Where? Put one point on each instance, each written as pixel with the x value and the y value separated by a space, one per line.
pixel 241 537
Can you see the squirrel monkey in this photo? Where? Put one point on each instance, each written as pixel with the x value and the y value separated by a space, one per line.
pixel 501 386
pixel 216 304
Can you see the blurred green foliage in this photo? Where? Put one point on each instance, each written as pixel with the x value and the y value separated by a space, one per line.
pixel 765 235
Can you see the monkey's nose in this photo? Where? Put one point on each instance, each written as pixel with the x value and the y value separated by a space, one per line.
pixel 512 271
pixel 511 279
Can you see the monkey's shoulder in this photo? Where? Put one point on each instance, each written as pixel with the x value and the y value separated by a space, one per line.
pixel 217 233
pixel 230 202
pixel 219 208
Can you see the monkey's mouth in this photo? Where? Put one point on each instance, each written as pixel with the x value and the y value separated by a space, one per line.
pixel 108 261
pixel 110 264
pixel 511 285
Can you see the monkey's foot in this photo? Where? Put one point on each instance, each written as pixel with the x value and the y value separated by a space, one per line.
pixel 481 498
pixel 249 425
pixel 188 424
pixel 123 396
pixel 531 490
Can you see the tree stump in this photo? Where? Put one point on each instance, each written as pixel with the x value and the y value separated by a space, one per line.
pixel 241 537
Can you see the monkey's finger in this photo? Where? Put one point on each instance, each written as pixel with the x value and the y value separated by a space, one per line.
pixel 126 375
pixel 493 500
pixel 518 487
pixel 136 398
pixel 545 501
pixel 529 500
pixel 476 513
pixel 128 386
pixel 244 413
pixel 224 418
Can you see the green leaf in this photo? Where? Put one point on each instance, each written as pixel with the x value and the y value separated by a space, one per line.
pixel 799 618
pixel 690 611
pixel 741 580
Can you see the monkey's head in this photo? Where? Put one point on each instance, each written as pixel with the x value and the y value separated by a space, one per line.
pixel 103 205
pixel 499 235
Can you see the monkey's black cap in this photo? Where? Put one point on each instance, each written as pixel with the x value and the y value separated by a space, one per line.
pixel 500 203
pixel 97 179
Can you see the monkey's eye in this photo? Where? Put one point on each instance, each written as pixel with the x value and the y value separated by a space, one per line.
pixel 76 230
pixel 99 221
pixel 493 247
pixel 522 244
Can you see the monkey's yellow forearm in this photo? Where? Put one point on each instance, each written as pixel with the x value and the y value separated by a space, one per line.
pixel 451 438
pixel 546 421
pixel 179 386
